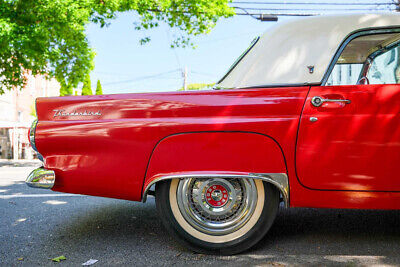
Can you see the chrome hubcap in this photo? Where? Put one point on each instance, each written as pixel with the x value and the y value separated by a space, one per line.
pixel 216 206
pixel 216 195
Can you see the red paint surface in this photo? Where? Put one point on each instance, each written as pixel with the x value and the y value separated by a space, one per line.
pixel 354 146
pixel 108 155
pixel 239 152
pixel 219 132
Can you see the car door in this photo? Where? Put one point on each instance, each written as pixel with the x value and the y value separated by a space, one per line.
pixel 349 135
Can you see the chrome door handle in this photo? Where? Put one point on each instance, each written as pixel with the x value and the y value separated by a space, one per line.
pixel 317 101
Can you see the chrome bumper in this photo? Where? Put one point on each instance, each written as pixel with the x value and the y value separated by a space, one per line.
pixel 41 178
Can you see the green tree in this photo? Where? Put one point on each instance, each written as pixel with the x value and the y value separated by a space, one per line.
pixel 99 90
pixel 65 90
pixel 87 86
pixel 198 86
pixel 48 36
pixel 33 110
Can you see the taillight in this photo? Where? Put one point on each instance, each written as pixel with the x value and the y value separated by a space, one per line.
pixel 32 132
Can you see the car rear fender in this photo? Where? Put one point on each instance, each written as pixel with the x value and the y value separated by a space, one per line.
pixel 218 154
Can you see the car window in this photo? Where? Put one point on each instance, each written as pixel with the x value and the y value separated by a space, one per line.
pixel 372 59
pixel 345 74
pixel 385 68
pixel 252 44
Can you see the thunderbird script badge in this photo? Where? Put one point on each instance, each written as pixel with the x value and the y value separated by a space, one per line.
pixel 63 113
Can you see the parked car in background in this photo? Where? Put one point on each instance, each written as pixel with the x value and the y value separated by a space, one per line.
pixel 309 116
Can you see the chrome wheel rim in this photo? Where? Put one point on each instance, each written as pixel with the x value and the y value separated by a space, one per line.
pixel 216 206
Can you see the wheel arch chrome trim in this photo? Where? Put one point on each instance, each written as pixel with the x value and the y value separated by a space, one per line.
pixel 279 180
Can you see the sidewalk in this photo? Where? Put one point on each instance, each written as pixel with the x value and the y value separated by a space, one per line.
pixel 20 163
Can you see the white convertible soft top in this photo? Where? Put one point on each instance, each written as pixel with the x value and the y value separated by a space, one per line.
pixel 282 54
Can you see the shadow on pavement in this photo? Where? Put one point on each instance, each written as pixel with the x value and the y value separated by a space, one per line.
pixel 20 163
pixel 299 236
pixel 118 232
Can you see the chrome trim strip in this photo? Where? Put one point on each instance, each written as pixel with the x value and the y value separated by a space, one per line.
pixel 280 180
pixel 32 133
pixel 41 178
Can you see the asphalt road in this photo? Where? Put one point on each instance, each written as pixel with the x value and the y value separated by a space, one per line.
pixel 37 225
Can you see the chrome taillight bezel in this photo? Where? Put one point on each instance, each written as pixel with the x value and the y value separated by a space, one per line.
pixel 32 133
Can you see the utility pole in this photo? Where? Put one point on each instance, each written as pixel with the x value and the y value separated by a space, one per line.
pixel 184 76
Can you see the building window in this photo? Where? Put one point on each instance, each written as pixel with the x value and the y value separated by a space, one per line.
pixel 20 116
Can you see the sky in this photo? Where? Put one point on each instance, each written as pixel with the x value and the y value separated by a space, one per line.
pixel 124 66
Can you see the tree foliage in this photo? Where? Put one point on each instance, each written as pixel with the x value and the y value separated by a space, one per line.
pixel 48 36
pixel 65 90
pixel 99 90
pixel 198 86
pixel 87 86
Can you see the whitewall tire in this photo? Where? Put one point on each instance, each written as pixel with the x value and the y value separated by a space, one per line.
pixel 217 215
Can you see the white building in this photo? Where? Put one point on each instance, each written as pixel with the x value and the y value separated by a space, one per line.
pixel 17 112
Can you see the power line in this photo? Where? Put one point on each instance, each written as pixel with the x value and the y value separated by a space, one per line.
pixel 176 55
pixel 314 9
pixel 247 13
pixel 283 10
pixel 314 3
pixel 113 73
pixel 228 37
pixel 143 77
pixel 278 14
pixel 202 73
pixel 272 16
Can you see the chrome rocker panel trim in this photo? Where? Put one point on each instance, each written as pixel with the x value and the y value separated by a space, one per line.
pixel 280 180
pixel 41 178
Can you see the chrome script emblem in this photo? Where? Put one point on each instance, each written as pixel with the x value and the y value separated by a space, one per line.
pixel 63 113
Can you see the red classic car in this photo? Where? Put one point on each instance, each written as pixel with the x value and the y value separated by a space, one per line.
pixel 310 118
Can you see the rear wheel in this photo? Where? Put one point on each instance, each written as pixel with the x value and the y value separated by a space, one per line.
pixel 217 215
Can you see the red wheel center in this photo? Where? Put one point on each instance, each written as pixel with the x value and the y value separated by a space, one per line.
pixel 217 195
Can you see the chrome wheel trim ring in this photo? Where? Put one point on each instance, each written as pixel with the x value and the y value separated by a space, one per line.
pixel 220 219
